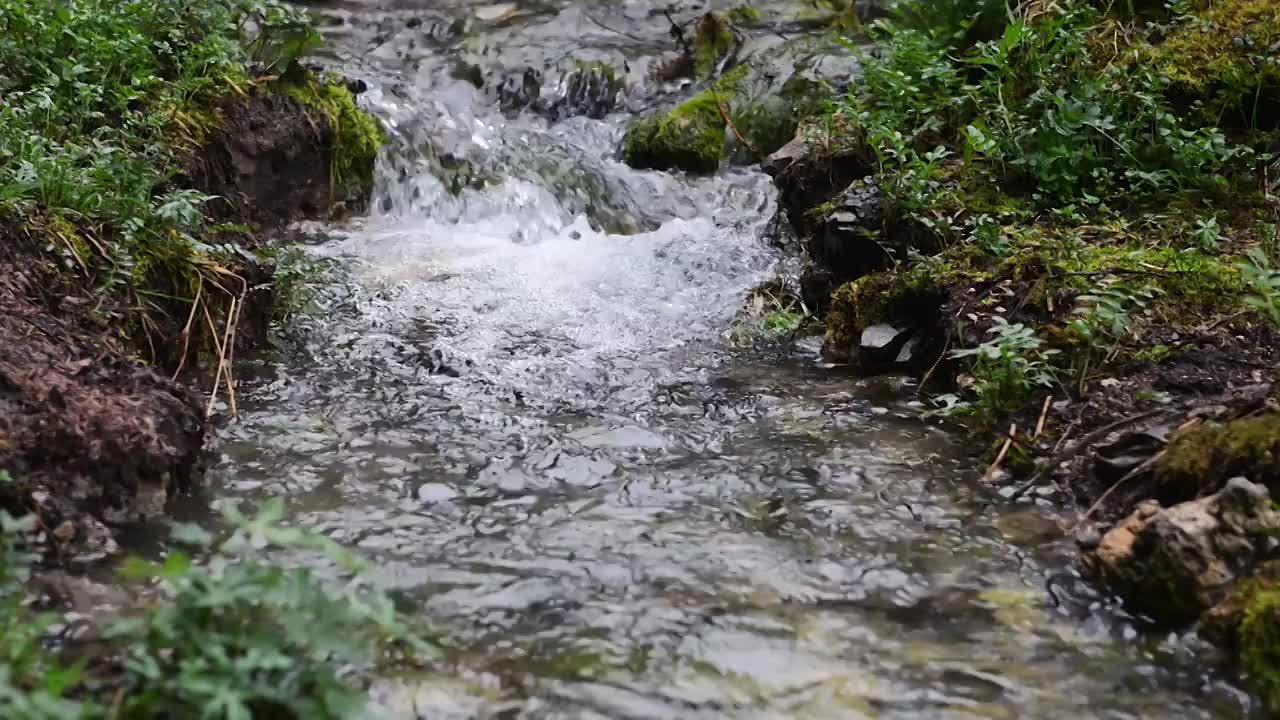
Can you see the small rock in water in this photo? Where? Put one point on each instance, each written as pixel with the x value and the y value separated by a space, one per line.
pixel 436 493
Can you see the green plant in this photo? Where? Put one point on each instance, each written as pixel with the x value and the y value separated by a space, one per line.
pixel 1263 280
pixel 233 637
pixel 33 682
pixel 1006 370
pixel 1207 233
pixel 102 99
pixel 1036 107
pixel 774 311
pixel 1104 317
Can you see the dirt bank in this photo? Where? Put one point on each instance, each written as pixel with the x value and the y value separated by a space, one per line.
pixel 101 424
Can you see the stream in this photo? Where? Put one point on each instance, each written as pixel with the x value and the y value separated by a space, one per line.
pixel 520 402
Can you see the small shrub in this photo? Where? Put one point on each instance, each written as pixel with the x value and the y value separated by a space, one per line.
pixel 1263 280
pixel 1007 369
pixel 1104 318
pixel 230 638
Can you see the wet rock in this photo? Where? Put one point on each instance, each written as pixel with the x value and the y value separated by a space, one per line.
pixel 590 89
pixel 1174 563
pixel 520 90
pixel 851 244
pixel 796 150
pixel 880 344
pixel 810 176
pixel 816 286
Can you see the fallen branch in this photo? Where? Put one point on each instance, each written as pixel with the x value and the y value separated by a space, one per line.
pixel 1004 450
pixel 1044 415
pixel 1145 466
pixel 186 329
pixel 725 113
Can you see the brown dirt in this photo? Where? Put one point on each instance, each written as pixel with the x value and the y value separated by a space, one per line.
pixel 86 434
pixel 1090 446
pixel 89 436
pixel 268 162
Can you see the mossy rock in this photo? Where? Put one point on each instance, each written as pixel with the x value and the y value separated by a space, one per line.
pixel 746 16
pixel 1199 458
pixel 690 137
pixel 879 298
pixel 1247 625
pixel 357 137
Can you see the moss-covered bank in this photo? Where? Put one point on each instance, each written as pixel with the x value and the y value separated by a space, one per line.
pixel 1071 204
pixel 144 148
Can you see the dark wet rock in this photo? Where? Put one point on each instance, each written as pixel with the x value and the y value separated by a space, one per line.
pixel 1174 563
pixel 809 177
pixel 881 344
pixel 816 286
pixel 796 150
pixel 467 72
pixel 591 89
pixel 520 90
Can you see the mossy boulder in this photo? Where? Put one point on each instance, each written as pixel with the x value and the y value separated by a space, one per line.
pixel 689 137
pixel 1200 457
pixel 776 85
pixel 1247 625
pixel 1174 563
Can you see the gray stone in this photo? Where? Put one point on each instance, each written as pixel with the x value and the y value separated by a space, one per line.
pixel 878 337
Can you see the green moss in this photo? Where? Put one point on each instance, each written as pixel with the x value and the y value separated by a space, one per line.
pixel 1223 53
pixel 746 16
pixel 883 297
pixel 690 137
pixel 1247 624
pixel 713 40
pixel 356 135
pixel 1260 646
pixel 1201 457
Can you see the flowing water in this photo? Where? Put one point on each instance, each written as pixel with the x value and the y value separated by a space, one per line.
pixel 520 403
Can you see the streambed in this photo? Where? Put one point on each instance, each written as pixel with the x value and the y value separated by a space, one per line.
pixel 521 402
